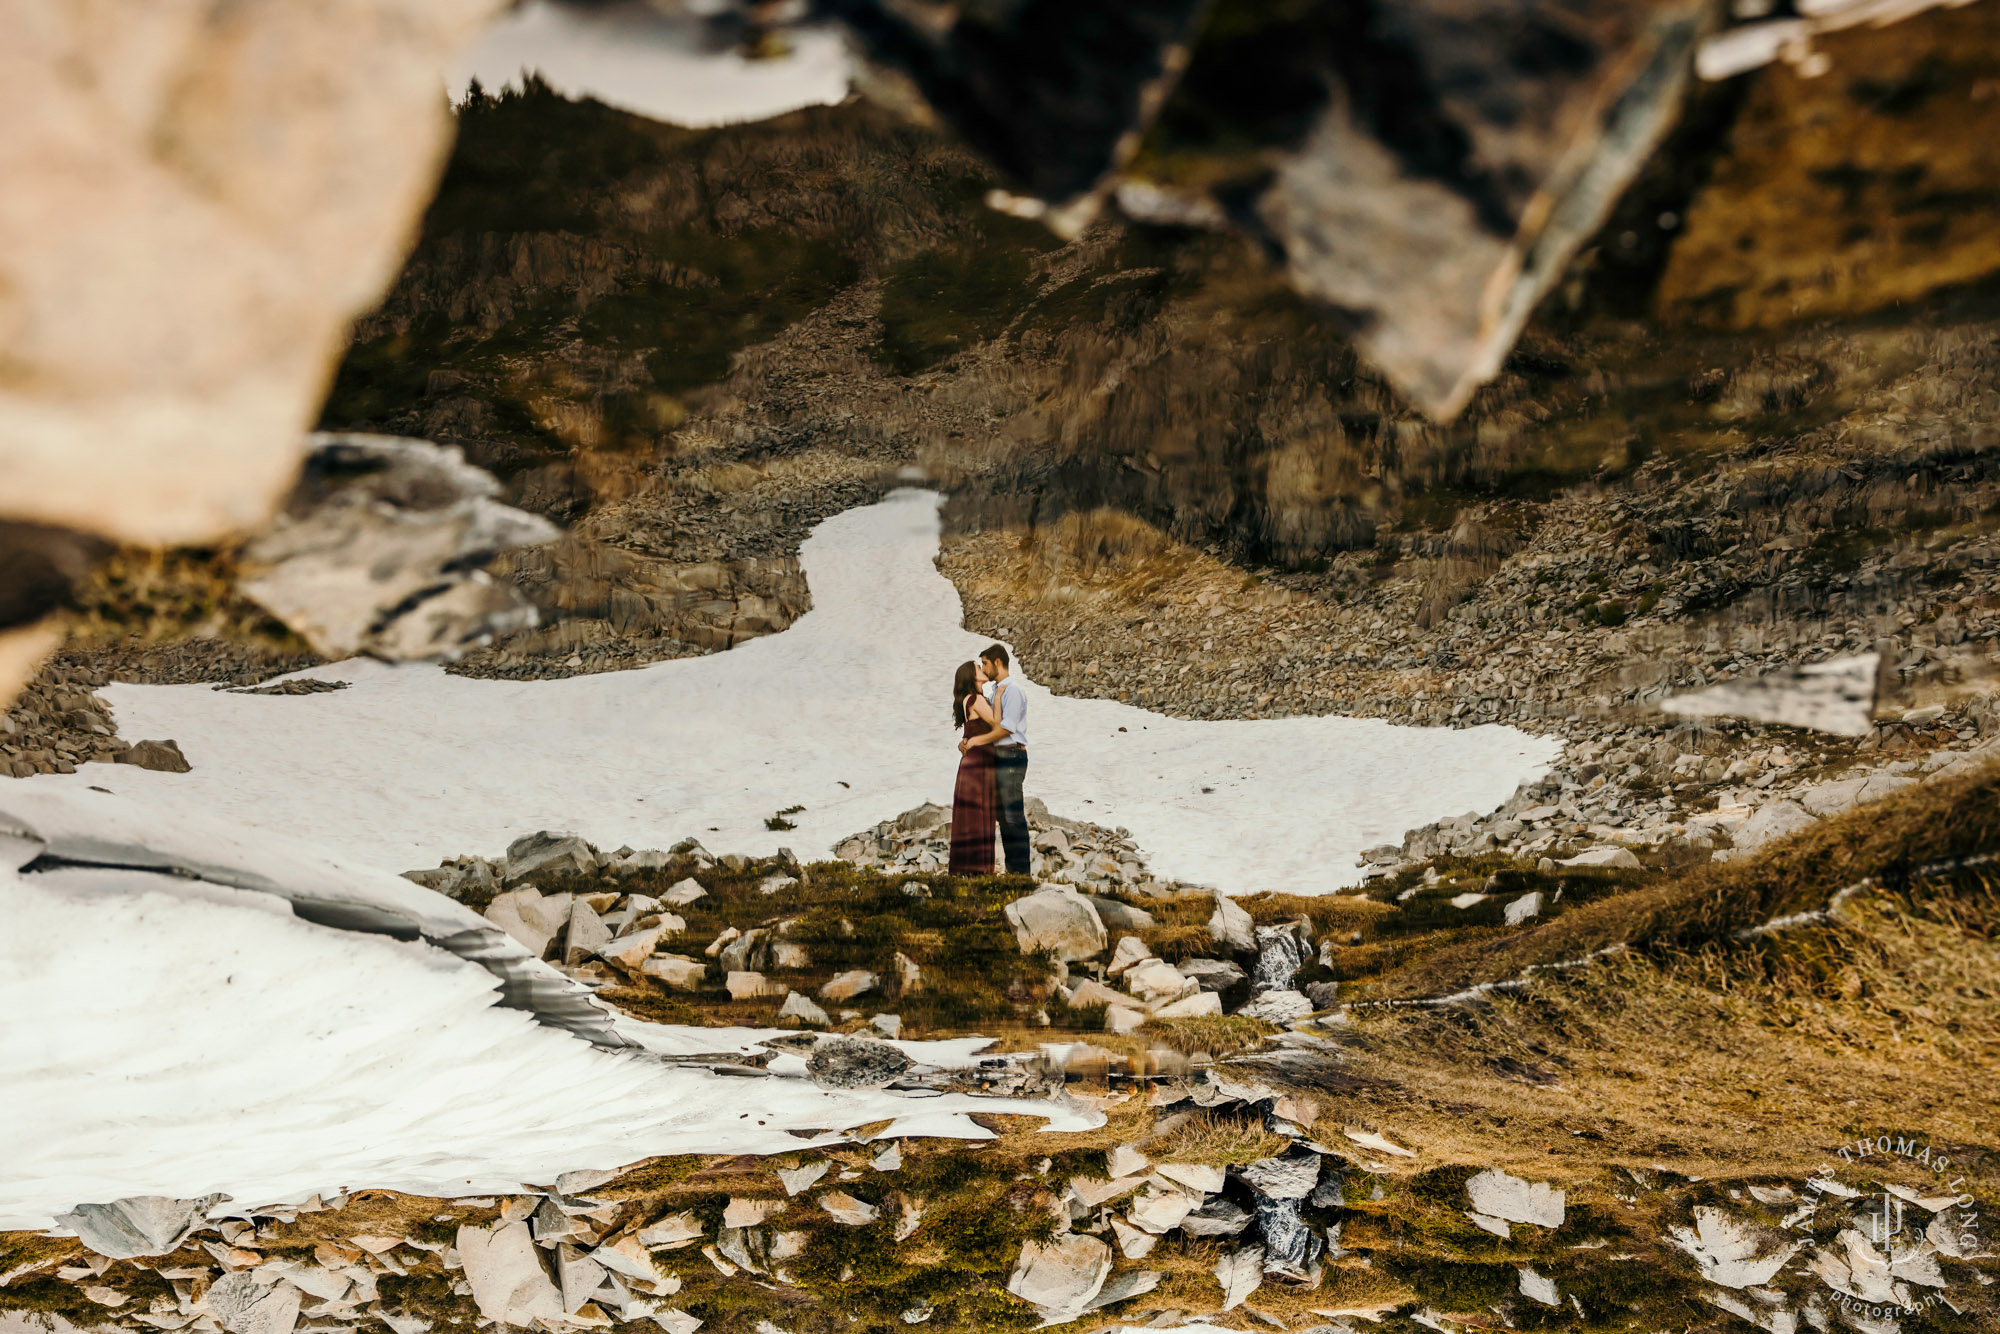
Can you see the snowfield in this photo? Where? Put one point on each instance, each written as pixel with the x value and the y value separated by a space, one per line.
pixel 846 713
pixel 174 1035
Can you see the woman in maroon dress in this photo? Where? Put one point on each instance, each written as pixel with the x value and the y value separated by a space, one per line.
pixel 975 810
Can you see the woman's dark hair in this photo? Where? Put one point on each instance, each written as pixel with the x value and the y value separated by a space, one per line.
pixel 963 683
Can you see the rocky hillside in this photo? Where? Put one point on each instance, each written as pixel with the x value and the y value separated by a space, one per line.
pixel 1753 427
pixel 689 345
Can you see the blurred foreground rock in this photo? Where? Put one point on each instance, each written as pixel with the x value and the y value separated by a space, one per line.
pixel 199 200
pixel 380 549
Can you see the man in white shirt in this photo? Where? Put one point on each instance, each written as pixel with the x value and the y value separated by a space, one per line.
pixel 1010 755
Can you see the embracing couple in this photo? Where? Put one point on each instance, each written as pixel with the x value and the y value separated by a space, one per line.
pixel 991 710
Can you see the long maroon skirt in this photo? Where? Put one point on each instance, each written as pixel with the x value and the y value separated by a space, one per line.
pixel 975 814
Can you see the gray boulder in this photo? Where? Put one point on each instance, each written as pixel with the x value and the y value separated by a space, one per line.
pixel 1058 919
pixel 162 756
pixel 1212 974
pixel 846 986
pixel 1616 858
pixel 379 549
pixel 799 1008
pixel 1278 1007
pixel 1833 798
pixel 1217 1218
pixel 587 933
pixel 1118 916
pixel 1230 927
pixel 855 1063
pixel 1291 1177
pixel 552 852
pixel 747 951
pixel 683 892
pixel 1061 1277
pixel 138 1225
pixel 529 917
pixel 1773 821
pixel 1290 1245
pixel 242 1305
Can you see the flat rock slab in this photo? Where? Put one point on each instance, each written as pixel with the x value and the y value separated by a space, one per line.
pixel 1833 798
pixel 138 1225
pixel 1618 858
pixel 1278 1007
pixel 844 1208
pixel 505 1271
pixel 749 1213
pixel 242 1305
pixel 1836 696
pixel 1196 1177
pixel 676 970
pixel 1537 1288
pixel 1191 1007
pixel 1291 1177
pixel 1731 1251
pixel 1127 1161
pixel 1211 974
pixel 848 985
pixel 745 985
pixel 1063 1275
pixel 796 1179
pixel 1230 926
pixel 1499 1195
pixel 1773 821
pixel 1217 1218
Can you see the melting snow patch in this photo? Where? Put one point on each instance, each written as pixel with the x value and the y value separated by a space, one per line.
pixel 411 765
pixel 230 1012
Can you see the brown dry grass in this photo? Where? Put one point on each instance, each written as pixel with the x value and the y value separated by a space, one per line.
pixel 1216 1139
pixel 1885 840
pixel 1103 557
pixel 1216 1034
pixel 1329 913
pixel 1724 1061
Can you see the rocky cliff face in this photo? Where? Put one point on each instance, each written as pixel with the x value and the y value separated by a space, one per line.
pixel 1761 406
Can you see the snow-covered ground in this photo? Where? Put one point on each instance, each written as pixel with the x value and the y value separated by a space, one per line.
pixel 846 713
pixel 169 1035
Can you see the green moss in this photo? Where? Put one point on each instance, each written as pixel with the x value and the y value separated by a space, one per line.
pixel 1453 1286
pixel 972 971
pixel 51 1296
